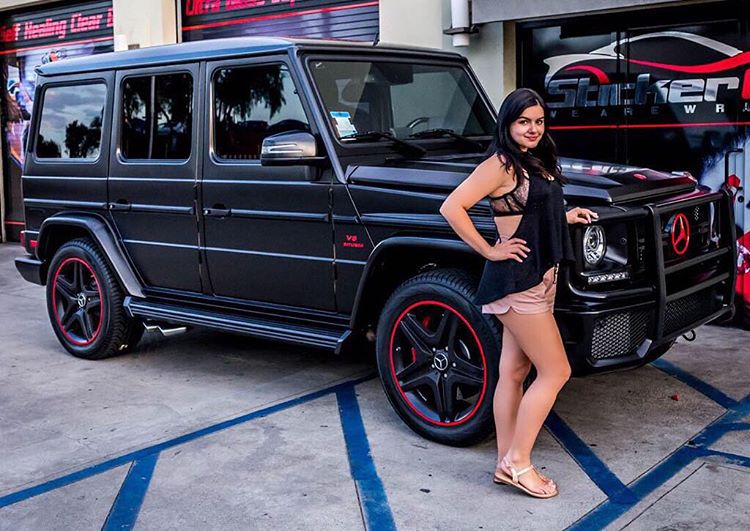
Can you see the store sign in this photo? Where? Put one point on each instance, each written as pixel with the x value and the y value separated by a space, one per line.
pixel 337 19
pixel 202 7
pixel 77 24
pixel 688 89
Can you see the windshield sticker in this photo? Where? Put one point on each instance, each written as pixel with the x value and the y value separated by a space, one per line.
pixel 343 122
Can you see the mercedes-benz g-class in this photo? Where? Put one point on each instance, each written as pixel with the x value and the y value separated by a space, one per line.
pixel 290 190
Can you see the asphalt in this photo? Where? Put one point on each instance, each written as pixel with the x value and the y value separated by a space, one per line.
pixel 212 431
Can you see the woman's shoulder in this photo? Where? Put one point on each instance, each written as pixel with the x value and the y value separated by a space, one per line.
pixel 497 162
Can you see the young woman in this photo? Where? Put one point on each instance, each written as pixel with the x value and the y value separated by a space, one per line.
pixel 523 181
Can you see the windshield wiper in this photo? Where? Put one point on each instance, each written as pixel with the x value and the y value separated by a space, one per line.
pixel 407 148
pixel 438 132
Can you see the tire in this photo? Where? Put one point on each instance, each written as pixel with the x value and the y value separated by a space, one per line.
pixel 85 303
pixel 434 342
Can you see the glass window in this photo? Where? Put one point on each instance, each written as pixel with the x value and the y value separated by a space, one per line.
pixel 71 124
pixel 157 117
pixel 403 99
pixel 251 103
pixel 136 117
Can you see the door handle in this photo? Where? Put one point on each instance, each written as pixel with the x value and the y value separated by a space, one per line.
pixel 120 205
pixel 217 211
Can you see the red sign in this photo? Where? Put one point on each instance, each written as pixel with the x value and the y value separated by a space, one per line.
pixel 56 28
pixel 203 7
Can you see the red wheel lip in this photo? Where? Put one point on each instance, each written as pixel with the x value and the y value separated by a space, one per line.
pixel 481 352
pixel 54 303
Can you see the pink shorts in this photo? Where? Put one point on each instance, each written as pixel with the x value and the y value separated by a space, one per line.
pixel 539 299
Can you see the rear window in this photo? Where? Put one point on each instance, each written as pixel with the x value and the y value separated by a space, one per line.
pixel 71 123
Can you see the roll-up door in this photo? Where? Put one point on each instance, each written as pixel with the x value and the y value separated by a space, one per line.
pixel 30 38
pixel 315 19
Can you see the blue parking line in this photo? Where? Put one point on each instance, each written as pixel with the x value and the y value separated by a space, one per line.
pixel 734 459
pixel 127 505
pixel 47 486
pixel 696 383
pixel 375 509
pixel 589 462
pixel 698 447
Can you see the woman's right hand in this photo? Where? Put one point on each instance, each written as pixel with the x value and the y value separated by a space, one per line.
pixel 512 249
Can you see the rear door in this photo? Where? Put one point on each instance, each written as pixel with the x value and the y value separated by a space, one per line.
pixel 267 230
pixel 152 183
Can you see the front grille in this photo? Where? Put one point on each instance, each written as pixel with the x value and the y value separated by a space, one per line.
pixel 681 312
pixel 698 218
pixel 619 334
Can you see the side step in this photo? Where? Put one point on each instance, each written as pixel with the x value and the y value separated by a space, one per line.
pixel 328 338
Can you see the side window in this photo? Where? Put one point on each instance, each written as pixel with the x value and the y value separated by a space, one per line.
pixel 157 117
pixel 251 103
pixel 71 123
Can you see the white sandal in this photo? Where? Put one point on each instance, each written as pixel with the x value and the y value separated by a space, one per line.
pixel 502 478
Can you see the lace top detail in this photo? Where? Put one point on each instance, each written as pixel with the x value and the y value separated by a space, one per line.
pixel 513 202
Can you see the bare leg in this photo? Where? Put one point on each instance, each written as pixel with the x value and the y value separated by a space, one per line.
pixel 514 368
pixel 539 338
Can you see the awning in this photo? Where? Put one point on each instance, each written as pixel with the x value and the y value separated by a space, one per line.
pixel 500 10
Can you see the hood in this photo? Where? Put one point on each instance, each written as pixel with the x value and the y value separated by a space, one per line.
pixel 589 181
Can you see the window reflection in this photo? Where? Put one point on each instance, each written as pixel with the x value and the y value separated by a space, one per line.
pixel 251 103
pixel 160 129
pixel 71 124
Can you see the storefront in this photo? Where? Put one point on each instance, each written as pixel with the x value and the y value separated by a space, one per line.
pixel 315 19
pixel 30 38
pixel 667 88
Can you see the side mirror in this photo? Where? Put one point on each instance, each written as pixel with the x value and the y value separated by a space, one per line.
pixel 290 149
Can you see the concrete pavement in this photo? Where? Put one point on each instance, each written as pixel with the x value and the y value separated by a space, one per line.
pixel 211 431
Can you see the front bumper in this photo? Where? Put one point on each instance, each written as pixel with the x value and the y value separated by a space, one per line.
pixel 32 270
pixel 631 327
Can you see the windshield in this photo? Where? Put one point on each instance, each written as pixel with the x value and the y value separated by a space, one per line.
pixel 399 98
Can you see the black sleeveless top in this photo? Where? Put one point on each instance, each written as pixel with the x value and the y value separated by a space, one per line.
pixel 543 226
pixel 513 202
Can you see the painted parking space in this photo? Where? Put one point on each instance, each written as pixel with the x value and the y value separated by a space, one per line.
pixel 212 431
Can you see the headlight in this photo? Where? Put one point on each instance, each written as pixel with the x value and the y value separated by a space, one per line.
pixel 594 245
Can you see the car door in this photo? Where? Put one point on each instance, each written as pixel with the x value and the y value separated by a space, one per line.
pixel 267 230
pixel 152 178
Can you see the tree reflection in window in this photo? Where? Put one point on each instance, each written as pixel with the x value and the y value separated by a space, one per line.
pixel 160 129
pixel 71 123
pixel 251 103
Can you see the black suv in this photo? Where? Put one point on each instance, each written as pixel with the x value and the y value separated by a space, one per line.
pixel 290 190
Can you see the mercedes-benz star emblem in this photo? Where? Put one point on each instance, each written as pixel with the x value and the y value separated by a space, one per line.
pixel 680 234
pixel 441 361
pixel 81 299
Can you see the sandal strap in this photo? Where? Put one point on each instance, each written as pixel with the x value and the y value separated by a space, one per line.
pixel 519 473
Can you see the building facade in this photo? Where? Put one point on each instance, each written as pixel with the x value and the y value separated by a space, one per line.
pixel 659 83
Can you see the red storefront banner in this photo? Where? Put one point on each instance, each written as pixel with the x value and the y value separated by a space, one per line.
pixel 84 21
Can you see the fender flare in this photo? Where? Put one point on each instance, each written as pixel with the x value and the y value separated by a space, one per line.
pixel 410 242
pixel 104 237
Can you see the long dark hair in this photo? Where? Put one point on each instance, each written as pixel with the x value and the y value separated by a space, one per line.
pixel 543 158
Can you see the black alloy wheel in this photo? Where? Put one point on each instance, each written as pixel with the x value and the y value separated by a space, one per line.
pixel 77 301
pixel 438 357
pixel 84 303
